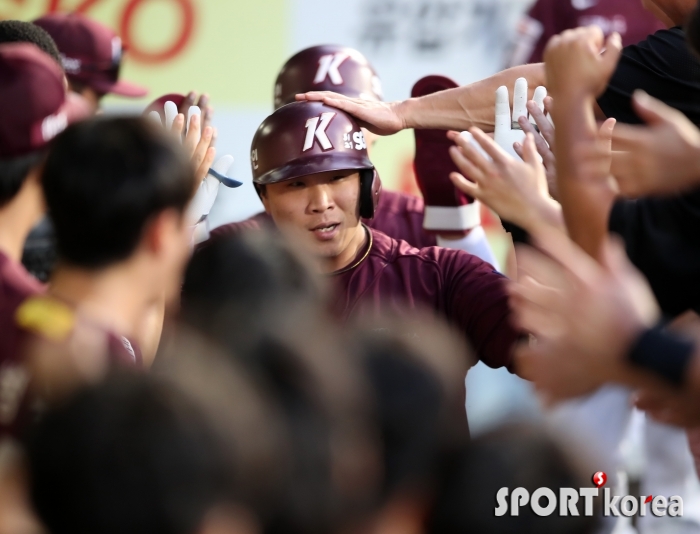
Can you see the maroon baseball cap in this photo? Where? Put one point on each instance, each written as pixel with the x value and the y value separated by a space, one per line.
pixel 91 53
pixel 34 106
pixel 327 68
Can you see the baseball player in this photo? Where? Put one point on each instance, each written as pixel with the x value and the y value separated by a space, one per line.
pixel 547 18
pixel 317 183
pixel 92 57
pixel 444 216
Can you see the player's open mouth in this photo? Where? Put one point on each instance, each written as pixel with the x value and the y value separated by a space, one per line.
pixel 326 232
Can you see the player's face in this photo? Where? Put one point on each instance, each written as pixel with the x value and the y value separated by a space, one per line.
pixel 322 212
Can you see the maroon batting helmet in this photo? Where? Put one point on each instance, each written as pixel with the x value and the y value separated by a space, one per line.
pixel 306 138
pixel 327 68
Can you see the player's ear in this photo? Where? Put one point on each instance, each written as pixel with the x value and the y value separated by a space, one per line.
pixel 162 230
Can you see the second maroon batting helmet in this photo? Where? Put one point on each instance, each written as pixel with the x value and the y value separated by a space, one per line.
pixel 327 68
pixel 306 138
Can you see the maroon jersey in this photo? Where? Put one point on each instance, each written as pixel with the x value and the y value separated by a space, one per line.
pixel 41 321
pixel 392 276
pixel 398 215
pixel 551 17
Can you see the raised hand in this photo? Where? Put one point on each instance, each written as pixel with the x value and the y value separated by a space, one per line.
pixel 508 130
pixel 381 118
pixel 515 189
pixel 585 316
pixel 658 159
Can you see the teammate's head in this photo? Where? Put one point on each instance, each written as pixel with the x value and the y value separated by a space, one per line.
pixel 133 454
pixel 17 31
pixel 34 107
pixel 510 457
pixel 91 54
pixel 327 68
pixel 116 190
pixel 312 171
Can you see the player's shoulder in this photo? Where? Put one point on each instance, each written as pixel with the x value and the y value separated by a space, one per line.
pixel 393 250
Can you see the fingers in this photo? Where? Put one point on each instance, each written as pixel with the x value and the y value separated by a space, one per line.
pixel 543 148
pixel 538 99
pixel 545 126
pixel 495 152
pixel 188 102
pixel 194 132
pixel 651 110
pixel 468 167
pixel 503 116
pixel 530 154
pixel 465 185
pixel 613 50
pixel 171 112
pixel 519 101
pixel 317 96
pixel 194 129
pixel 205 164
pixel 155 117
pixel 605 133
pixel 200 152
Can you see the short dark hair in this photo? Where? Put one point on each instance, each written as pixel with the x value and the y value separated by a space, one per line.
pixel 18 31
pixel 133 454
pixel 104 179
pixel 13 173
pixel 509 457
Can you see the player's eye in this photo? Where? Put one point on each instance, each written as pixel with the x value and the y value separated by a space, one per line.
pixel 295 185
pixel 338 178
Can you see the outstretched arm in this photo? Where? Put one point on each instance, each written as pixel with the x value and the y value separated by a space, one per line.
pixel 455 109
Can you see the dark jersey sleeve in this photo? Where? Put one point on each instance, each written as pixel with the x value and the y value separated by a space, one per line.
pixel 663 66
pixel 661 238
pixel 660 234
pixel 476 300
pixel 555 18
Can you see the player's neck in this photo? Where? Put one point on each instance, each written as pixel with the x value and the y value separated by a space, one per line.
pixel 17 218
pixel 111 297
pixel 348 255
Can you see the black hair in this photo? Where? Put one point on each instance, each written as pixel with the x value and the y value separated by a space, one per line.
pixel 509 457
pixel 692 31
pixel 104 179
pixel 132 454
pixel 235 286
pixel 13 173
pixel 17 31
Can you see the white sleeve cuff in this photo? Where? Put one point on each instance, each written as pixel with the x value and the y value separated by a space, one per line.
pixel 464 217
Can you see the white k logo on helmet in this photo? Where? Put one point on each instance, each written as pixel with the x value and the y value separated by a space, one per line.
pixel 328 68
pixel 316 129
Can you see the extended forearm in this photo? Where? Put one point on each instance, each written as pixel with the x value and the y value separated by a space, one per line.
pixel 470 105
pixel 584 199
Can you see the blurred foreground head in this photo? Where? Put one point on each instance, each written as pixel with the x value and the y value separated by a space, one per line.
pixel 510 457
pixel 117 190
pixel 189 449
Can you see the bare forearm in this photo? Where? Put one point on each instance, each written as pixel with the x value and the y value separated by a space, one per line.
pixel 470 105
pixel 585 203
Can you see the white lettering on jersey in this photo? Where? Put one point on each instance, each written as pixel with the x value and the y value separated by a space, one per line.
pixel 328 68
pixel 359 139
pixel 583 4
pixel 316 128
pixel 53 125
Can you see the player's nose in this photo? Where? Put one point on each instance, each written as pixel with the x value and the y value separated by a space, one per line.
pixel 320 198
